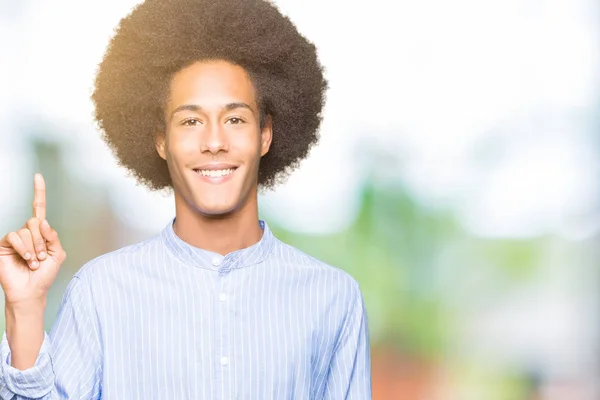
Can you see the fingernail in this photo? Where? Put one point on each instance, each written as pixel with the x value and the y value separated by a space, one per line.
pixel 27 256
pixel 41 255
pixel 34 264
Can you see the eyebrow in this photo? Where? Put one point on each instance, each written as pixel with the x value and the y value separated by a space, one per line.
pixel 197 108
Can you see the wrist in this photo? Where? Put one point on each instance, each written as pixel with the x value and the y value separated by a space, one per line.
pixel 23 319
pixel 24 332
pixel 25 309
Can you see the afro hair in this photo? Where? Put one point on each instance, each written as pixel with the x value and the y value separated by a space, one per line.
pixel 161 37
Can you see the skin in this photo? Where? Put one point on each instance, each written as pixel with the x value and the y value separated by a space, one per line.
pixel 29 261
pixel 206 123
pixel 211 116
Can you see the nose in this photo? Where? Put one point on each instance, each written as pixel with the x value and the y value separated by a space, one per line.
pixel 214 139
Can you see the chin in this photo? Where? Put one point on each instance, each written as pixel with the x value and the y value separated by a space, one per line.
pixel 215 210
pixel 213 201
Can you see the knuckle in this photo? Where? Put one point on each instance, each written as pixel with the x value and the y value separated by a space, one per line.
pixel 23 232
pixel 33 222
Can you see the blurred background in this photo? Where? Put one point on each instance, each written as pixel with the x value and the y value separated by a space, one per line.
pixel 456 178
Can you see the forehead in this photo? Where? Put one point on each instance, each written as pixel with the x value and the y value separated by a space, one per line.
pixel 211 82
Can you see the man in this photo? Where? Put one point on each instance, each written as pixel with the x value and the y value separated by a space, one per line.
pixel 211 99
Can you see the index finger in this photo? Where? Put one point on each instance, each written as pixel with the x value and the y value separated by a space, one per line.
pixel 39 197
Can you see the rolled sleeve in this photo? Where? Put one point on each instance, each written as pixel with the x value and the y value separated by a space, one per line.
pixel 69 363
pixel 32 383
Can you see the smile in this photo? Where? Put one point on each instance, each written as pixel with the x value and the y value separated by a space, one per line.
pixel 215 176
pixel 215 173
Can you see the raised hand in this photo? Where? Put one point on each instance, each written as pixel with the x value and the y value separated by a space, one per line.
pixel 31 257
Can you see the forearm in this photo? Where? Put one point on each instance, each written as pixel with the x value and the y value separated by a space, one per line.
pixel 25 333
pixel 64 364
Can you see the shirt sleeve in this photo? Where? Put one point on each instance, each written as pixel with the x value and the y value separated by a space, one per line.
pixel 70 360
pixel 34 382
pixel 350 368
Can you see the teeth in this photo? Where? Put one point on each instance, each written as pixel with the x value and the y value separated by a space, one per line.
pixel 215 173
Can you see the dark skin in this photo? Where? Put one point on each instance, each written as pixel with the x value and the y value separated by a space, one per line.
pixel 212 145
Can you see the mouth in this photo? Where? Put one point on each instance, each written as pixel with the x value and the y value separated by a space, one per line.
pixel 215 173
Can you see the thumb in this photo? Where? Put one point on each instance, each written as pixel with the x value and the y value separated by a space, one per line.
pixel 4 242
pixel 5 247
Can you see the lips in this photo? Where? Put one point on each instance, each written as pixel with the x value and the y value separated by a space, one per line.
pixel 215 173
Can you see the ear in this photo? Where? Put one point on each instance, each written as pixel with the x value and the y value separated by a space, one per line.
pixel 159 143
pixel 266 136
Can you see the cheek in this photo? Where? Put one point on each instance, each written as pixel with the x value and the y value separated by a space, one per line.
pixel 247 144
pixel 182 147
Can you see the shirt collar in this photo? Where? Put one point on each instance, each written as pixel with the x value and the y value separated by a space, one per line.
pixel 198 257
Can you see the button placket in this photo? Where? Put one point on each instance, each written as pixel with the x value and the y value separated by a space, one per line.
pixel 225 359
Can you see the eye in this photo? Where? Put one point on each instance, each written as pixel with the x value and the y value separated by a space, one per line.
pixel 191 122
pixel 235 120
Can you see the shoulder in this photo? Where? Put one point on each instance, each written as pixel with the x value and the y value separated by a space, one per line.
pixel 332 295
pixel 116 259
pixel 325 277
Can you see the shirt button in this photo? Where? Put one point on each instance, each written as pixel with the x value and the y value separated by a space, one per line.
pixel 216 261
pixel 222 297
pixel 224 360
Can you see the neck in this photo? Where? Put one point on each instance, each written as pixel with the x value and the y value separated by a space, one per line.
pixel 221 234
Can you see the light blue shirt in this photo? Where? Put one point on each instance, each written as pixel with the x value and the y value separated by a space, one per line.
pixel 162 319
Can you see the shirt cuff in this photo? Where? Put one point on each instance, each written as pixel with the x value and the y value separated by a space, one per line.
pixel 34 382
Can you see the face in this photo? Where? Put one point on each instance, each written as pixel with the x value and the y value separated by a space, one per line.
pixel 213 140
